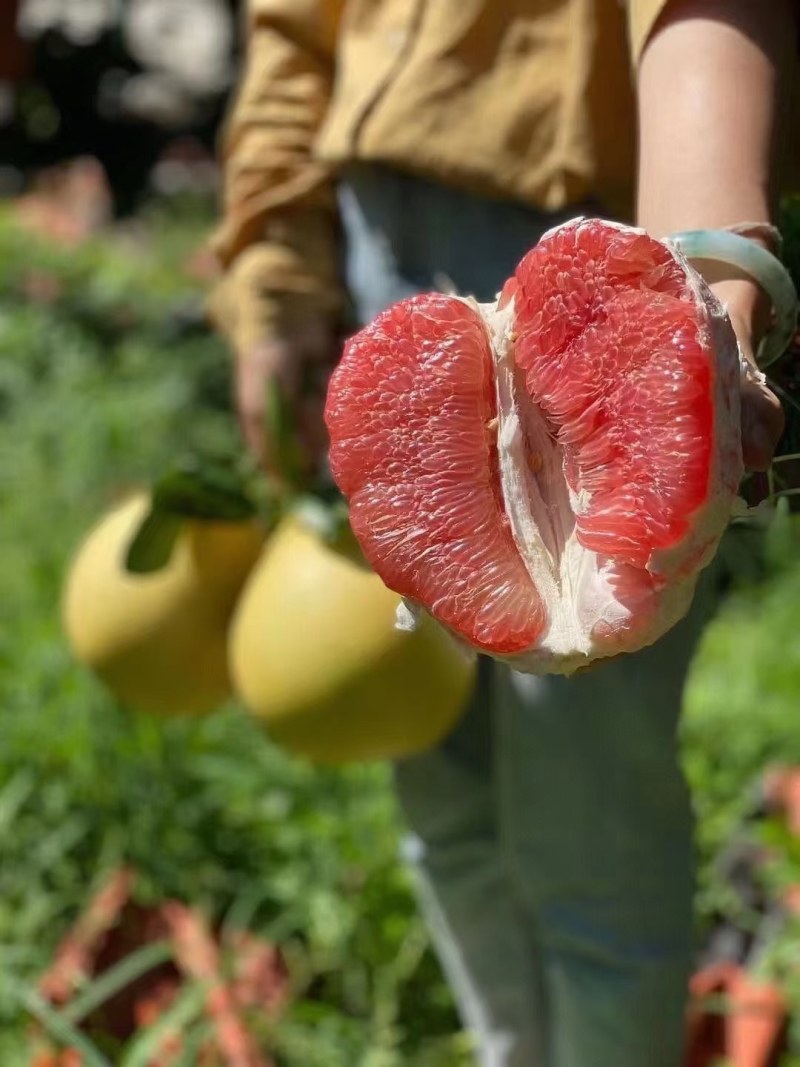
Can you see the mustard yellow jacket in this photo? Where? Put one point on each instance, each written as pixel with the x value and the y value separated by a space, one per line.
pixel 523 99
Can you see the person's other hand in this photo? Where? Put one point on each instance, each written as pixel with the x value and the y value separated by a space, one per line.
pixel 762 415
pixel 300 362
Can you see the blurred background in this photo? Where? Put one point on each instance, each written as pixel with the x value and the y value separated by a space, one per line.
pixel 143 859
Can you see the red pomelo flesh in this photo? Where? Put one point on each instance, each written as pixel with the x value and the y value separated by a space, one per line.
pixel 613 356
pixel 420 470
pixel 546 475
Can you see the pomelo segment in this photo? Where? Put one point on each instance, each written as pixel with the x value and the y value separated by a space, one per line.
pixel 412 417
pixel 615 356
pixel 546 475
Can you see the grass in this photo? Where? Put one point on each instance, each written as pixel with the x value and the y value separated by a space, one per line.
pixel 106 373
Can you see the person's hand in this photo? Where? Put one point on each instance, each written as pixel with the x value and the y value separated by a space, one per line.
pixel 300 362
pixel 762 415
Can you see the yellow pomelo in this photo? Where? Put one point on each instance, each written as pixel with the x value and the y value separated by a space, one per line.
pixel 158 641
pixel 315 653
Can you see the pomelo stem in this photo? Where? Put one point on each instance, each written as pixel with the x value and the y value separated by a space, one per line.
pixel 281 436
pixel 295 487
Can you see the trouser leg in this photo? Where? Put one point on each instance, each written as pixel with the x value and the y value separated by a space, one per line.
pixel 552 840
pixel 479 925
pixel 596 816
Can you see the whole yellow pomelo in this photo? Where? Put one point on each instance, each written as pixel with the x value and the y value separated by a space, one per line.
pixel 158 640
pixel 315 653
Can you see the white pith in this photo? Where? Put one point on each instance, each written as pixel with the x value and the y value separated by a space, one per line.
pixel 572 581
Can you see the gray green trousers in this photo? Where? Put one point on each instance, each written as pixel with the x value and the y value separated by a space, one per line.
pixel 551 833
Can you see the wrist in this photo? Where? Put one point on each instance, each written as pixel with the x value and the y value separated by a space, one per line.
pixel 748 306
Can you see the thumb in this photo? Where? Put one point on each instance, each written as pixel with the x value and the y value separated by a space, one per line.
pixel 763 422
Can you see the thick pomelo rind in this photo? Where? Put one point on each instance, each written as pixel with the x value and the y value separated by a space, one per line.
pixel 158 641
pixel 315 655
pixel 410 411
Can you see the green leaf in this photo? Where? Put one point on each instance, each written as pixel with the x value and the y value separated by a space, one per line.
pixel 198 490
pixel 186 1010
pixel 59 1028
pixel 782 537
pixel 204 492
pixel 152 544
pixel 117 978
pixel 14 795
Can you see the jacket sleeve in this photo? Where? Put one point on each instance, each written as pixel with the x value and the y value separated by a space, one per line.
pixel 642 17
pixel 276 241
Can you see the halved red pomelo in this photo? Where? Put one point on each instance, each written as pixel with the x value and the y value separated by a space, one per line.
pixel 546 475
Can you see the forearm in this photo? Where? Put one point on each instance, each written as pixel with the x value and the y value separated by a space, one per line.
pixel 276 239
pixel 273 286
pixel 708 86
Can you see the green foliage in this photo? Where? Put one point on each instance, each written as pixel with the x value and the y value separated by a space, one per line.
pixel 742 715
pixel 741 708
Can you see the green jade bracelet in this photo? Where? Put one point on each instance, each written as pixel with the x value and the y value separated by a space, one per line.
pixel 754 261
